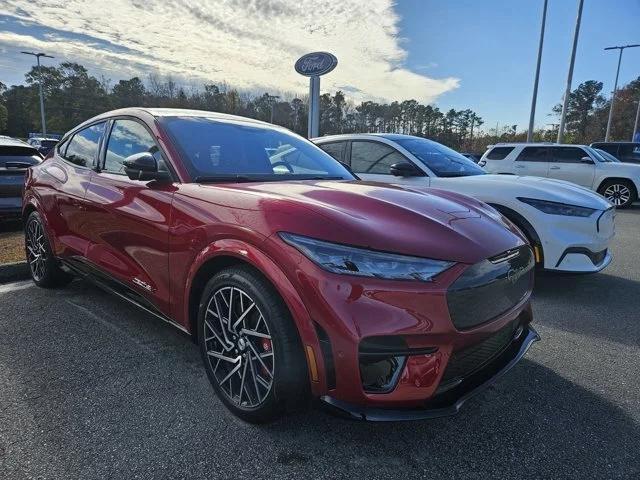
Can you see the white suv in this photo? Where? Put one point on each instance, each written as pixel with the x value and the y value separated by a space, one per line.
pixel 580 164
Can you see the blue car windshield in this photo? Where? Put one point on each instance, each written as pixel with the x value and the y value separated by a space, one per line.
pixel 228 150
pixel 441 160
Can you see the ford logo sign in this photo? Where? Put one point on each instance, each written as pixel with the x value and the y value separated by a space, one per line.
pixel 316 64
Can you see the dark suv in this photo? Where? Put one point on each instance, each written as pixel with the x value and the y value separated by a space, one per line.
pixel 628 152
pixel 15 157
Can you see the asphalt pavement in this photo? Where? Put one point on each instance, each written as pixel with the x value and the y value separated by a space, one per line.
pixel 91 387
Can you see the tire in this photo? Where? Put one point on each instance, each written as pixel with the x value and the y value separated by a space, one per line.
pixel 44 268
pixel 258 375
pixel 621 193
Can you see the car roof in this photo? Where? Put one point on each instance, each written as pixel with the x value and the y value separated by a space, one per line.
pixel 535 144
pixel 616 143
pixel 44 138
pixel 346 136
pixel 13 142
pixel 175 112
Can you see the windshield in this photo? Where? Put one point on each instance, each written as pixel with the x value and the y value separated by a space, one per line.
pixel 441 160
pixel 607 157
pixel 228 151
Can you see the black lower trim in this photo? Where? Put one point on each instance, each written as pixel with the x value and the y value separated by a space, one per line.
pixel 114 286
pixel 596 257
pixel 327 356
pixel 450 402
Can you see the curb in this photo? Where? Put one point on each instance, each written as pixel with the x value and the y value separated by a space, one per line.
pixel 13 272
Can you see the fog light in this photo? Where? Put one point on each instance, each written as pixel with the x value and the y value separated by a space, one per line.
pixel 383 359
pixel 380 375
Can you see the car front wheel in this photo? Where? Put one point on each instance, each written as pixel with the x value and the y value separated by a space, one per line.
pixel 250 346
pixel 619 192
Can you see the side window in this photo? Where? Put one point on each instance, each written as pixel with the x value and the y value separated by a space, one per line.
pixel 127 138
pixel 374 157
pixel 629 153
pixel 567 154
pixel 499 153
pixel 83 147
pixel 335 149
pixel 61 147
pixel 533 154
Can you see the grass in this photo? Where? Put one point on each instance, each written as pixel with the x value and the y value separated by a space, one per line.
pixel 11 242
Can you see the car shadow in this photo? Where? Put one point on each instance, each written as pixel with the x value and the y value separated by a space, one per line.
pixel 534 423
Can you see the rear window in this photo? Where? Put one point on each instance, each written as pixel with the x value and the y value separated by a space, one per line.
pixel 499 153
pixel 18 157
pixel 48 143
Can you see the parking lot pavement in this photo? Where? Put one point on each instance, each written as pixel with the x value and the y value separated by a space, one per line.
pixel 90 387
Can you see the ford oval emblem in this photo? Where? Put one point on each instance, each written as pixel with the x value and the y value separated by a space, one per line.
pixel 316 64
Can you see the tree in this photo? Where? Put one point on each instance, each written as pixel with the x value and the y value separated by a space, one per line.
pixel 128 93
pixel 584 102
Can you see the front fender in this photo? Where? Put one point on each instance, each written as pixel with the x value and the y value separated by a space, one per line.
pixel 252 255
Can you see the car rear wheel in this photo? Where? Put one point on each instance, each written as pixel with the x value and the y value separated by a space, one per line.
pixel 44 267
pixel 250 346
pixel 619 192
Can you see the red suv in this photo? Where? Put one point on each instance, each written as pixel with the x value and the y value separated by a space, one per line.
pixel 296 280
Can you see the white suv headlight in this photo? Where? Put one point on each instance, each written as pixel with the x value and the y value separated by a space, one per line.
pixel 557 208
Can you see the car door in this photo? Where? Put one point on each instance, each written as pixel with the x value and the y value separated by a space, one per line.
pixel 130 219
pixel 371 160
pixel 68 176
pixel 532 161
pixel 572 164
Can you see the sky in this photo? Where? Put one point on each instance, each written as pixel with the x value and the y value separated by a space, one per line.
pixel 451 53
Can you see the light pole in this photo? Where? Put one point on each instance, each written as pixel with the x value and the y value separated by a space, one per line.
pixel 537 77
pixel 635 125
pixel 615 86
pixel 38 55
pixel 567 92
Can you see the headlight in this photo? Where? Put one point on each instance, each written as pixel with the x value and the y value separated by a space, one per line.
pixel 556 208
pixel 342 259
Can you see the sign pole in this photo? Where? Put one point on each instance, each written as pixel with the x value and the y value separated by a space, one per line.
pixel 314 107
pixel 313 65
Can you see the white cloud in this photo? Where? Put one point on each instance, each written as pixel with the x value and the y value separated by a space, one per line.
pixel 250 44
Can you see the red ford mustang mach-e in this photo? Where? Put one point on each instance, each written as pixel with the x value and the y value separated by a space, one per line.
pixel 296 280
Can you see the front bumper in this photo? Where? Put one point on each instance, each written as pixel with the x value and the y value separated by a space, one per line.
pixel 580 245
pixel 450 401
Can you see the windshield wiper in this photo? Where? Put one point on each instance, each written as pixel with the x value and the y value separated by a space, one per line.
pixel 235 178
pixel 232 178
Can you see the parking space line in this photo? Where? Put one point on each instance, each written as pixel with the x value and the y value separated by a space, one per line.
pixel 12 287
pixel 106 323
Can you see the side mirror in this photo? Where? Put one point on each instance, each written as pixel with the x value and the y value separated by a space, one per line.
pixel 586 160
pixel 143 166
pixel 405 169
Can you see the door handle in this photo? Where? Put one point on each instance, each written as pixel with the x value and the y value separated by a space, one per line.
pixel 519 166
pixel 554 168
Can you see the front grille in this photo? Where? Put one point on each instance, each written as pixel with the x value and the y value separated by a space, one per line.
pixel 465 362
pixel 490 288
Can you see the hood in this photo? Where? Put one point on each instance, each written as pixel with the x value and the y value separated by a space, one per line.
pixel 427 223
pixel 490 188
